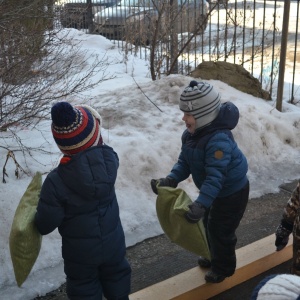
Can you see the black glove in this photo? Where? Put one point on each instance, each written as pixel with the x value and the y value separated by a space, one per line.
pixel 195 213
pixel 168 181
pixel 282 235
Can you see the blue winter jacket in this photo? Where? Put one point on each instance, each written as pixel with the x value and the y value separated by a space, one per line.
pixel 79 198
pixel 218 167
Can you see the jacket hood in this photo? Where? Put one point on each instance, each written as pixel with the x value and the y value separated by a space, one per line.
pixel 91 173
pixel 227 118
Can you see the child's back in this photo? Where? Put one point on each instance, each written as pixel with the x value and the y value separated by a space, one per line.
pixel 78 198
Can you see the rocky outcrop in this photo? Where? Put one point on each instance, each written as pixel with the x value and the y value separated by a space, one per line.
pixel 232 74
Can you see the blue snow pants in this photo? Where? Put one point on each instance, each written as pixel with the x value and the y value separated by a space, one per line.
pixel 89 282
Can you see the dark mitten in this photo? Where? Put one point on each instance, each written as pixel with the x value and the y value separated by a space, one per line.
pixel 195 213
pixel 168 181
pixel 282 235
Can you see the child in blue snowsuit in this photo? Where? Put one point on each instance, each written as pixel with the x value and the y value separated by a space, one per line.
pixel 78 198
pixel 218 167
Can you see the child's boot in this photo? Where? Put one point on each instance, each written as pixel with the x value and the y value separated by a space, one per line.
pixel 214 277
pixel 203 262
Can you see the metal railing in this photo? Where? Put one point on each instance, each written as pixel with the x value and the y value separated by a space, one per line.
pixel 251 33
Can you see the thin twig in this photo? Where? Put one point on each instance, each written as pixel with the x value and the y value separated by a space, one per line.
pixel 11 155
pixel 146 95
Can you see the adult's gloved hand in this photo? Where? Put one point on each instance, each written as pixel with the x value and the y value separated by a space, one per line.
pixel 282 235
pixel 195 213
pixel 168 181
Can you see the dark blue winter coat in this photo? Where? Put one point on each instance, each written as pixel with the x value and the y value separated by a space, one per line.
pixel 218 167
pixel 79 198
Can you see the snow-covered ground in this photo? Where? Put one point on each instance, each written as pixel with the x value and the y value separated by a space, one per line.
pixel 142 122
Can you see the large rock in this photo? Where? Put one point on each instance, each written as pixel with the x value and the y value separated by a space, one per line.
pixel 232 74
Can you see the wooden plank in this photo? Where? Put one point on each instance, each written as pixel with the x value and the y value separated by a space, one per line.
pixel 252 260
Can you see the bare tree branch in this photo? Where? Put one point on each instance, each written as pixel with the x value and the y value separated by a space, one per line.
pixel 39 64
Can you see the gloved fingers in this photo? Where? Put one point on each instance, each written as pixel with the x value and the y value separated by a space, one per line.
pixel 279 248
pixel 171 182
pixel 168 181
pixel 191 208
pixel 195 213
pixel 154 185
pixel 191 218
pixel 283 232
pixel 280 243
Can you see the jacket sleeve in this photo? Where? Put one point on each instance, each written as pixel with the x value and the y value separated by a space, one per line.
pixel 50 212
pixel 293 204
pixel 180 170
pixel 218 153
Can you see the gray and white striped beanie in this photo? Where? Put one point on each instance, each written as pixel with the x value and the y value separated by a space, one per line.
pixel 201 100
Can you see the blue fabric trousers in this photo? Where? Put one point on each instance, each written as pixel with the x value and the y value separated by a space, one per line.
pixel 89 282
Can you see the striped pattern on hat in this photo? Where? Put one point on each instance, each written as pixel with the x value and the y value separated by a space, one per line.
pixel 201 100
pixel 75 128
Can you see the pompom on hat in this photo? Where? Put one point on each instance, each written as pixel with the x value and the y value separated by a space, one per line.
pixel 75 128
pixel 201 100
pixel 278 287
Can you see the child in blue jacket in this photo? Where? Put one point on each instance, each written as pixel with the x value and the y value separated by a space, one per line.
pixel 218 167
pixel 78 197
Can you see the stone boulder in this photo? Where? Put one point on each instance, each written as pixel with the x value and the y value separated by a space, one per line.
pixel 232 74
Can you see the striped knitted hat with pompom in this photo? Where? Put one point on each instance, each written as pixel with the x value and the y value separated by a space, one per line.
pixel 75 128
pixel 202 101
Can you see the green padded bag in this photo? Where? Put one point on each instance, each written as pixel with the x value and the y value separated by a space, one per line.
pixel 24 239
pixel 171 205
